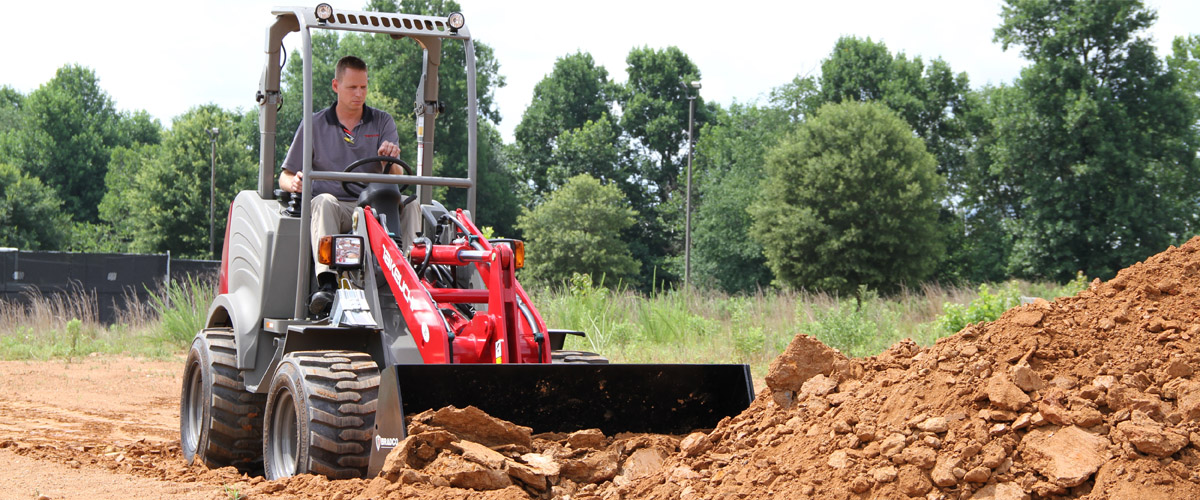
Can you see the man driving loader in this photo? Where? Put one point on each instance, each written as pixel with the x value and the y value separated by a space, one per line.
pixel 346 131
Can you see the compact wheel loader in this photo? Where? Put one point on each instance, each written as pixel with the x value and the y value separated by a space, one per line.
pixel 417 323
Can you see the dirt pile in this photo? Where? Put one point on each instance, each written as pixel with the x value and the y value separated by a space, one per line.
pixel 1093 396
pixel 470 452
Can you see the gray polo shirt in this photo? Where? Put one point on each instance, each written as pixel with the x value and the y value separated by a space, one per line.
pixel 335 146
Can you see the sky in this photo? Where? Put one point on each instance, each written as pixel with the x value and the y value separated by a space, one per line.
pixel 166 57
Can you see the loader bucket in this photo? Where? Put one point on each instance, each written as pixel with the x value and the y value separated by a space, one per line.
pixel 662 398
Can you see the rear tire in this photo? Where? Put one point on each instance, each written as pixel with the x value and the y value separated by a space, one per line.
pixel 320 415
pixel 577 358
pixel 220 423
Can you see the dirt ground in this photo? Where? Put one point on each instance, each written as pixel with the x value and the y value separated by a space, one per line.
pixel 97 427
pixel 1095 396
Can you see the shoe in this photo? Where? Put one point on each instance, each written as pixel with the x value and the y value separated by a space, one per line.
pixel 320 301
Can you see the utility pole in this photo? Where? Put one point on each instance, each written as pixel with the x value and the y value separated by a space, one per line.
pixel 687 230
pixel 212 192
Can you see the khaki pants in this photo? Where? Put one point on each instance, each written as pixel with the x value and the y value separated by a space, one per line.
pixel 332 216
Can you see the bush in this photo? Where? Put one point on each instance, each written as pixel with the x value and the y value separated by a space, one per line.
pixel 990 305
pixel 987 307
pixel 856 328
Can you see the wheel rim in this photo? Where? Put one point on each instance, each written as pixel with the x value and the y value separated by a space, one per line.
pixel 284 436
pixel 195 407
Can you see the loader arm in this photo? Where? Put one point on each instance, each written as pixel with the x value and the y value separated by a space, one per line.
pixel 509 331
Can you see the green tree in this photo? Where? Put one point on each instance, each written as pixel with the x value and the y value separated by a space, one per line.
pixel 654 118
pixel 63 133
pixel 1094 143
pixel 158 196
pixel 577 231
pixel 69 124
pixel 593 148
pixel 728 174
pixel 850 199
pixel 31 217
pixel 931 98
pixel 654 108
pixel 10 110
pixel 575 93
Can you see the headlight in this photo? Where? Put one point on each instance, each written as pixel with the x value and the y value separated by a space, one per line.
pixel 517 246
pixel 342 251
pixel 456 21
pixel 324 12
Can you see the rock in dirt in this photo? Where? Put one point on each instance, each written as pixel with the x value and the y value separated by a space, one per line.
pixel 1026 378
pixel 594 468
pixel 695 444
pixel 936 425
pixel 943 472
pixel 913 481
pixel 416 451
pixel 1189 401
pixel 979 474
pixel 920 456
pixel 1004 394
pixel 1001 491
pixel 818 385
pixel 839 460
pixel 472 424
pixel 1150 437
pixel 1027 318
pixel 892 445
pixel 641 463
pixel 481 454
pixel 587 439
pixel 884 474
pixel 804 357
pixel 542 464
pixel 527 475
pixel 462 473
pixel 1067 456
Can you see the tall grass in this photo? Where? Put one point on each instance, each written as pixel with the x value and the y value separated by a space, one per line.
pixel 67 325
pixel 670 326
pixel 703 326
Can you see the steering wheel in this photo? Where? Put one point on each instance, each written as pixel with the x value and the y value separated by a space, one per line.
pixel 361 186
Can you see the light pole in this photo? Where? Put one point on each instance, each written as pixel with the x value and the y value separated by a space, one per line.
pixel 212 190
pixel 687 224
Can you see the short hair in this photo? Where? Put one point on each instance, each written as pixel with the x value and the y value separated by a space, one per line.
pixel 348 62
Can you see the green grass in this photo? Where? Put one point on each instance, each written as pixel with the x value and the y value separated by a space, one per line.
pixel 671 326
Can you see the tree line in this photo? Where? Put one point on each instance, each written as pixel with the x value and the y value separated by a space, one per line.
pixel 882 170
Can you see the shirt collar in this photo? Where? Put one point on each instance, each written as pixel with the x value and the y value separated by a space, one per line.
pixel 331 115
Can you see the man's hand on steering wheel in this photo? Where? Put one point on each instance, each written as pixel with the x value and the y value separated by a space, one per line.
pixel 389 148
pixel 384 160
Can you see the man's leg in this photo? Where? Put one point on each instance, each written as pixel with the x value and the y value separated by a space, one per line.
pixel 329 216
pixel 411 223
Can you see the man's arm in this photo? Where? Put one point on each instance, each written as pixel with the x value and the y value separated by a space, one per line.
pixel 290 182
pixel 290 179
pixel 388 140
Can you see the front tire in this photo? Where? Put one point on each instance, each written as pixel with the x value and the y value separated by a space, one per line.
pixel 321 415
pixel 220 423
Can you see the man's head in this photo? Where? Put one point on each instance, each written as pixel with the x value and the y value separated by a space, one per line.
pixel 350 83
